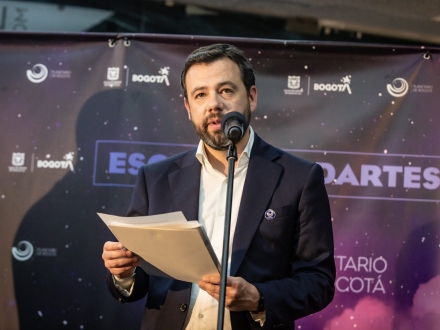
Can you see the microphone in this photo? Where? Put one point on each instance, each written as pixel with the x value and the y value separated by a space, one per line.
pixel 234 125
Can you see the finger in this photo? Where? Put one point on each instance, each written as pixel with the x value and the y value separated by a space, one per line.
pixel 116 250
pixel 119 254
pixel 119 270
pixel 129 253
pixel 214 291
pixel 209 287
pixel 119 259
pixel 233 281
pixel 109 246
pixel 205 285
pixel 122 272
pixel 116 254
pixel 121 264
pixel 214 279
pixel 212 294
pixel 117 246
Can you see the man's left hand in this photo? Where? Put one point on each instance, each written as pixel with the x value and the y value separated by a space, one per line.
pixel 240 294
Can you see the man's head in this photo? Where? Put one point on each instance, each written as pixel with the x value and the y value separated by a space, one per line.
pixel 216 80
pixel 209 54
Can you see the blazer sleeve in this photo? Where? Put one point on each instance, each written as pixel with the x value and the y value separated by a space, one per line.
pixel 310 286
pixel 138 207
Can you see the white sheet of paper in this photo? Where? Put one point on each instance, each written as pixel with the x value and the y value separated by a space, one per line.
pixel 170 245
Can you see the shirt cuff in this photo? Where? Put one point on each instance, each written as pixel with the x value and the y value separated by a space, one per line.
pixel 260 317
pixel 124 285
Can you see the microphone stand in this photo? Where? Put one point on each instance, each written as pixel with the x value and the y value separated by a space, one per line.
pixel 232 158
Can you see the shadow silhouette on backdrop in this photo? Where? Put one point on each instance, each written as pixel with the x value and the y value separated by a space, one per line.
pixel 63 284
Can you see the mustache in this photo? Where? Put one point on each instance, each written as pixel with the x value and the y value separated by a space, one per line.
pixel 210 117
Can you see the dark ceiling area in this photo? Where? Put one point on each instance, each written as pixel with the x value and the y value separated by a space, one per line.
pixel 376 21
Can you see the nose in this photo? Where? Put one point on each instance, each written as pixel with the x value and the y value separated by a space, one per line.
pixel 215 103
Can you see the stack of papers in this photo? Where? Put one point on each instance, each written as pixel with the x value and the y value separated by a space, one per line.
pixel 169 245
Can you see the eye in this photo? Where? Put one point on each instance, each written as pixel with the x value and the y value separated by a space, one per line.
pixel 199 95
pixel 226 91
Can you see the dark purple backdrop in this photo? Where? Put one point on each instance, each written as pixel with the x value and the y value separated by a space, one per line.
pixel 78 117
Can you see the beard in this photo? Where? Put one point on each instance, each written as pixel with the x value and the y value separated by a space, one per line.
pixel 217 140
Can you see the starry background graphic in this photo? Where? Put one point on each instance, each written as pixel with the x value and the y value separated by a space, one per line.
pixel 387 243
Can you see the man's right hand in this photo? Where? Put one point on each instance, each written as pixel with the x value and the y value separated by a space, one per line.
pixel 119 261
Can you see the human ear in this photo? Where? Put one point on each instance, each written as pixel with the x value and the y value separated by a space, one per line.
pixel 253 98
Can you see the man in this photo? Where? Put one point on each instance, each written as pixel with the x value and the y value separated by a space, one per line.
pixel 281 263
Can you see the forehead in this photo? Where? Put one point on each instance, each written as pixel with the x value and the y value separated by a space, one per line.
pixel 218 71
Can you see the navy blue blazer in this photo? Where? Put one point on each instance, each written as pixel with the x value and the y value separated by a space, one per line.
pixel 290 259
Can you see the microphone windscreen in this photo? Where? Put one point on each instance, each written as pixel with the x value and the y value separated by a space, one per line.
pixel 234 125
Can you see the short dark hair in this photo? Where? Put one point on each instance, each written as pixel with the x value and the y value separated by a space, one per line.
pixel 212 53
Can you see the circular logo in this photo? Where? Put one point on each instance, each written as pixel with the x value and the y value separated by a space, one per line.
pixel 37 74
pixel 270 214
pixel 24 251
pixel 398 87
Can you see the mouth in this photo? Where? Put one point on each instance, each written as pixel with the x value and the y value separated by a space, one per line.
pixel 215 123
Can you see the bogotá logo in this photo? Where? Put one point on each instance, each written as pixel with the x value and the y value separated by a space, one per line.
pixel 37 74
pixel 58 164
pixel 398 88
pixel 23 251
pixel 162 77
pixel 345 86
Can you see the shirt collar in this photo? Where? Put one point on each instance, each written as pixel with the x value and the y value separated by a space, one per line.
pixel 243 159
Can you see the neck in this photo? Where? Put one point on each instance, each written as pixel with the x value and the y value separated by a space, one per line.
pixel 217 158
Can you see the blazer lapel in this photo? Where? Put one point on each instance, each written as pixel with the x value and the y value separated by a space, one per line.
pixel 185 185
pixel 261 180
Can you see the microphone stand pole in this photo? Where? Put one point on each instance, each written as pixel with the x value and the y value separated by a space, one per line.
pixel 232 158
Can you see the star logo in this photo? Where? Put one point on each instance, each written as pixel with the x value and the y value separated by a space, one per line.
pixel 164 71
pixel 346 79
pixel 69 156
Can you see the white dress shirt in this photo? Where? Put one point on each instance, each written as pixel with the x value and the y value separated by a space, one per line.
pixel 203 309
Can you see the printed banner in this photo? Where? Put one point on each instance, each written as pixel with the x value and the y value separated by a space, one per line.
pixel 80 114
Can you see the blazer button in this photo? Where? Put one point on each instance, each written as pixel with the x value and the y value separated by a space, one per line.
pixel 183 307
